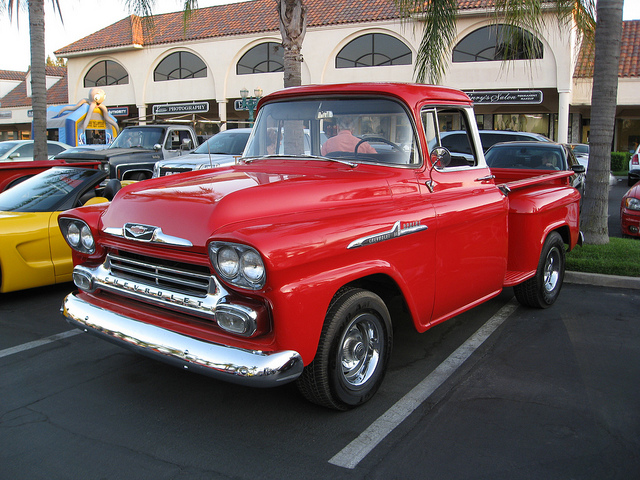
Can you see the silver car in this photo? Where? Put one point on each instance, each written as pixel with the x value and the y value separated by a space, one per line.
pixel 22 150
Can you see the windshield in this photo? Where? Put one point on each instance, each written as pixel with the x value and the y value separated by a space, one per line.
pixel 145 138
pixel 226 143
pixel 377 130
pixel 6 146
pixel 46 191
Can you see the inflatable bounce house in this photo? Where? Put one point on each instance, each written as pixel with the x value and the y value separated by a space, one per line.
pixel 86 123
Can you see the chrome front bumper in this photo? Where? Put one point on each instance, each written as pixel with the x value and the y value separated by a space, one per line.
pixel 246 367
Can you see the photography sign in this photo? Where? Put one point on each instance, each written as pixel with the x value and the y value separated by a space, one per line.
pixel 174 108
pixel 517 97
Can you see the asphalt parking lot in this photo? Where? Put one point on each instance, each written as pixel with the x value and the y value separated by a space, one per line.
pixel 548 394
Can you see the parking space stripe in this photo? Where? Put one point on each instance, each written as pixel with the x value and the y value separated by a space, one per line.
pixel 352 454
pixel 37 343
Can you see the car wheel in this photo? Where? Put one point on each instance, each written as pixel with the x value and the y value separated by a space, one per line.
pixel 353 351
pixel 542 290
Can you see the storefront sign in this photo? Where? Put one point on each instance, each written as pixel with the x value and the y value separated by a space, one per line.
pixel 119 111
pixel 6 115
pixel 506 97
pixel 200 107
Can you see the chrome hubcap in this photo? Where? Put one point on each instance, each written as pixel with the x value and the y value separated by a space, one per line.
pixel 360 349
pixel 551 270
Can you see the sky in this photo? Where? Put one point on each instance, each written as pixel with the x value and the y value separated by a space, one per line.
pixel 83 17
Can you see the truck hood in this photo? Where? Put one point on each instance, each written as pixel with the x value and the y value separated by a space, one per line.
pixel 195 205
pixel 102 155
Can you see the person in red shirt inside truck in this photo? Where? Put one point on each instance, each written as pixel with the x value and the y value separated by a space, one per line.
pixel 345 140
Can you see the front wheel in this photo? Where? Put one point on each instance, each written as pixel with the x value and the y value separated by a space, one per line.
pixel 542 290
pixel 352 354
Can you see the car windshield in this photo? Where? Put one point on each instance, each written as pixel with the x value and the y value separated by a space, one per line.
pixel 581 148
pixel 528 157
pixel 46 191
pixel 375 130
pixel 146 138
pixel 6 146
pixel 225 143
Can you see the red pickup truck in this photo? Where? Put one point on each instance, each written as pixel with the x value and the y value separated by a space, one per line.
pixel 283 267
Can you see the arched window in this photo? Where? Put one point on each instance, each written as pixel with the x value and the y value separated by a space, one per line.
pixel 373 50
pixel 106 72
pixel 179 66
pixel 494 43
pixel 264 58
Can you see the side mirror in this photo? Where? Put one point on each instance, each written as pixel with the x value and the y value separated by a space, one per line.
pixel 13 156
pixel 157 147
pixel 578 168
pixel 440 157
pixel 186 144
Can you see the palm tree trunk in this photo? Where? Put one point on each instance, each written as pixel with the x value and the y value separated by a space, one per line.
pixel 293 26
pixel 38 79
pixel 603 112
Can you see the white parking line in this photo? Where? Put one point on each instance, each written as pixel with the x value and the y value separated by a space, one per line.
pixel 352 454
pixel 37 343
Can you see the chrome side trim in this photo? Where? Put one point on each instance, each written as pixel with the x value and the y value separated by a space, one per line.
pixel 247 367
pixel 399 229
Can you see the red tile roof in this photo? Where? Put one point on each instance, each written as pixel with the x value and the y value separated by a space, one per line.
pixel 235 19
pixel 56 95
pixel 12 75
pixel 629 65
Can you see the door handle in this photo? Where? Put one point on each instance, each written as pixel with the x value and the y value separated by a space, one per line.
pixel 486 178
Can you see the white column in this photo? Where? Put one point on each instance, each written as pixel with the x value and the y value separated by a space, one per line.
pixel 564 97
pixel 222 113
pixel 142 112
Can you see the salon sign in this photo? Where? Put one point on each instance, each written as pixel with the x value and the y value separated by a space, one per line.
pixel 518 97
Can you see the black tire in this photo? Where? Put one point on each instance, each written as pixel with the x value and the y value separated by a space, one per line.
pixel 542 290
pixel 353 352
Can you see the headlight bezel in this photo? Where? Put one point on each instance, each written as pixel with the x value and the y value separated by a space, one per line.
pixel 250 270
pixel 78 235
pixel 632 203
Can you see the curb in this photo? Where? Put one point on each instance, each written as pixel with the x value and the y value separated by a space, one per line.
pixel 600 280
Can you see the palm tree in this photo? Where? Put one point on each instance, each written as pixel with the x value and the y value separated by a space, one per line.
pixel 440 20
pixel 37 69
pixel 293 25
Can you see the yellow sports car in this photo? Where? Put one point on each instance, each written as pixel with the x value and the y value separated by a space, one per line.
pixel 32 250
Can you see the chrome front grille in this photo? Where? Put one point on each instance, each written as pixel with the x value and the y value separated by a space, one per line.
pixel 178 277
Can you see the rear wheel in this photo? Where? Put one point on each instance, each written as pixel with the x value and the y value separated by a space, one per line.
pixel 542 290
pixel 353 351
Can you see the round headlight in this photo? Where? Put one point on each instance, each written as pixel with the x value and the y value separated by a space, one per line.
pixel 86 238
pixel 73 235
pixel 252 266
pixel 228 262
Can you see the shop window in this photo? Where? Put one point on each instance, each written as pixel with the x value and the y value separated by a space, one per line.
pixel 521 122
pixel 496 43
pixel 106 72
pixel 264 58
pixel 180 66
pixel 373 50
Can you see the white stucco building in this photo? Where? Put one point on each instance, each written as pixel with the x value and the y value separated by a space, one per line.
pixel 199 71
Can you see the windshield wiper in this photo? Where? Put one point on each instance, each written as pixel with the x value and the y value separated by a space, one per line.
pixel 314 157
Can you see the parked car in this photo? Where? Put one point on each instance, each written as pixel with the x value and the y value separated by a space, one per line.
pixel 456 140
pixel 219 150
pixel 581 152
pixel 634 168
pixel 630 212
pixel 22 150
pixel 32 250
pixel 537 156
